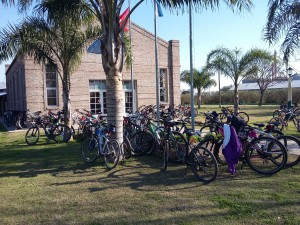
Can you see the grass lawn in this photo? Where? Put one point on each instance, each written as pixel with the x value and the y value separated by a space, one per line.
pixel 50 184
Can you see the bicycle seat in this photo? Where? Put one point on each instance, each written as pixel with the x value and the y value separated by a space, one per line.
pixel 259 124
pixel 276 123
pixel 170 123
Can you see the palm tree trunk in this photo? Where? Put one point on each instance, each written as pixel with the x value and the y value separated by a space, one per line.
pixel 66 96
pixel 115 102
pixel 199 97
pixel 236 99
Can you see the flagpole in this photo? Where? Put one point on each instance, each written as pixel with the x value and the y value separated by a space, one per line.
pixel 191 69
pixel 156 64
pixel 131 67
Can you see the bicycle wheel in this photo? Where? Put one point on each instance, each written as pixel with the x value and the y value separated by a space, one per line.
pixel 277 113
pixel 244 116
pixel 178 114
pixel 61 133
pixel 112 153
pixel 203 164
pixel 178 147
pixel 222 117
pixel 89 150
pixel 5 120
pixel 279 121
pixel 141 142
pixel 126 148
pixel 206 130
pixel 274 132
pixel 73 133
pixel 292 145
pixel 297 114
pixel 32 135
pixel 215 147
pixel 266 155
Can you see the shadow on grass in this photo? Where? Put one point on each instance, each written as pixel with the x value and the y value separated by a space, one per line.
pixel 2 128
pixel 19 159
pixel 140 173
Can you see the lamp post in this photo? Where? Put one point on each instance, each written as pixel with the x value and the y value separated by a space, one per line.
pixel 289 72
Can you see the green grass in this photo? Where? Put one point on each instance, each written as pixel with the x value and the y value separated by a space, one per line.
pixel 50 184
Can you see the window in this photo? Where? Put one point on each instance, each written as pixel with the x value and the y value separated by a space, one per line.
pixel 97 96
pixel 127 87
pixel 163 85
pixel 51 85
pixel 95 102
pixel 98 101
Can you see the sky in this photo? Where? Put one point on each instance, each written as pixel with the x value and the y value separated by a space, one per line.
pixel 211 29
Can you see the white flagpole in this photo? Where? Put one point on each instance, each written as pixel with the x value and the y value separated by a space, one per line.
pixel 191 69
pixel 131 68
pixel 156 65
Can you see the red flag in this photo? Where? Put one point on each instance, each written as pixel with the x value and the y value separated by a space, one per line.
pixel 123 17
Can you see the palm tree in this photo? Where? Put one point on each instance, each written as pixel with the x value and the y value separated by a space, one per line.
pixel 54 35
pixel 234 65
pixel 283 20
pixel 112 42
pixel 202 80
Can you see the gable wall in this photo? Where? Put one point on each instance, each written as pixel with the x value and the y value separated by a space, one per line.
pixel 143 51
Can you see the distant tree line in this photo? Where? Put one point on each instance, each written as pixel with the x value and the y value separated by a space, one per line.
pixel 275 96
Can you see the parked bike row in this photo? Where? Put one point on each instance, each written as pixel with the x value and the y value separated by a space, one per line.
pixel 216 141
pixel 51 123
pixel 15 118
pixel 284 115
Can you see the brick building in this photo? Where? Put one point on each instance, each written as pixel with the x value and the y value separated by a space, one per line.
pixel 38 87
pixel 2 97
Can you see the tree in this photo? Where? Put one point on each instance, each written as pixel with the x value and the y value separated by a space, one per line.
pixel 202 80
pixel 112 43
pixel 226 88
pixel 283 20
pixel 265 75
pixel 54 35
pixel 235 65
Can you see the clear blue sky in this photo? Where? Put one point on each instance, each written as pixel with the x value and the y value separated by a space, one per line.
pixel 221 27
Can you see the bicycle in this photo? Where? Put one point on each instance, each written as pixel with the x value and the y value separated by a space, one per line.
pixel 100 144
pixel 184 111
pixel 8 118
pixel 260 150
pixel 199 159
pixel 286 115
pixel 58 118
pixel 227 111
pixel 56 132
pixel 292 145
pixel 210 124
pixel 283 108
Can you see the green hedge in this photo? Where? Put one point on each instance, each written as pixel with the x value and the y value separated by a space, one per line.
pixel 246 97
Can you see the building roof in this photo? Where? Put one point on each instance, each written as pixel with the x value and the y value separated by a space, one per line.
pixel 278 84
